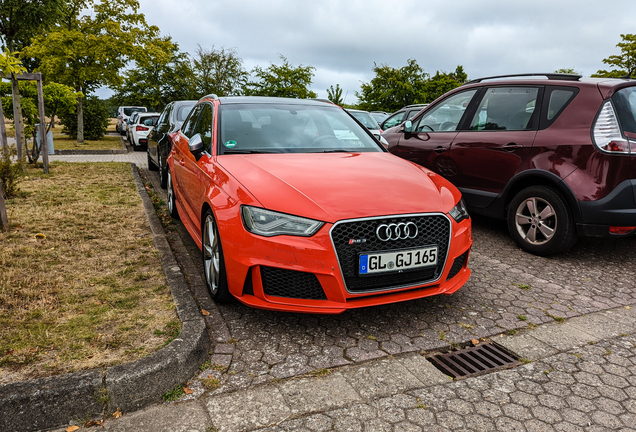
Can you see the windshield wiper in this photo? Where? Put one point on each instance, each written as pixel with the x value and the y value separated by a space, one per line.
pixel 336 151
pixel 246 151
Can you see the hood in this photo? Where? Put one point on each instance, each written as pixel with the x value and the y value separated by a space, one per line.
pixel 336 186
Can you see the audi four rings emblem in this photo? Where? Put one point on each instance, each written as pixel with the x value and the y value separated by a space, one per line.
pixel 400 231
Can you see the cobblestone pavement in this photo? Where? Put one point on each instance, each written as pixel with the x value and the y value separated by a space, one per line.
pixel 508 290
pixel 589 389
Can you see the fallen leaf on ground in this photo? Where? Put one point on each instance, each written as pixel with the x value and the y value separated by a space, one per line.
pixel 94 423
pixel 204 312
pixel 117 414
pixel 188 390
pixel 40 236
pixel 71 428
pixel 627 307
pixel 475 342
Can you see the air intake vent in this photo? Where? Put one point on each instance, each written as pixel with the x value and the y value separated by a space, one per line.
pixel 483 358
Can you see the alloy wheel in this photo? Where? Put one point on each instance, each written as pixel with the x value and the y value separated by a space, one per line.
pixel 536 220
pixel 211 255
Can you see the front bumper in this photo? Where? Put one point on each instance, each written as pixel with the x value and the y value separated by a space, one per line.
pixel 300 274
pixel 617 209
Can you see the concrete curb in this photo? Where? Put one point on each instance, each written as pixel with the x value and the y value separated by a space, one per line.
pixel 89 152
pixel 54 401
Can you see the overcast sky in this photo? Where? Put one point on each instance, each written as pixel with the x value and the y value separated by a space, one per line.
pixel 343 39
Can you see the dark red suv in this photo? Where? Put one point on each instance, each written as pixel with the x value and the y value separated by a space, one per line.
pixel 554 154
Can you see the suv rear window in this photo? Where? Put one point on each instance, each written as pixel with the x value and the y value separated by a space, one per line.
pixel 625 103
pixel 129 111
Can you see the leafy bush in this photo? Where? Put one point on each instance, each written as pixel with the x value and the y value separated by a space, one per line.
pixel 10 172
pixel 95 119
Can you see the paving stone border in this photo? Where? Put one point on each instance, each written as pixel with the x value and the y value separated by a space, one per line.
pixel 53 401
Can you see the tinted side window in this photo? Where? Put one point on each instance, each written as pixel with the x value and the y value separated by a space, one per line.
pixel 625 103
pixel 163 119
pixel 446 115
pixel 506 108
pixel 204 126
pixel 555 101
pixel 188 127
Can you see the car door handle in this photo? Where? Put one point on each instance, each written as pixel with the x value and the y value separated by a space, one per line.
pixel 512 147
pixel 440 149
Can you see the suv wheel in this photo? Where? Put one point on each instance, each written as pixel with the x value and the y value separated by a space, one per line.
pixel 540 221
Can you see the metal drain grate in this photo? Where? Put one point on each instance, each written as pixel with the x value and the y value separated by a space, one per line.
pixel 471 361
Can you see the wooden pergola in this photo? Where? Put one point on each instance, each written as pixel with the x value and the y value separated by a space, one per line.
pixel 18 138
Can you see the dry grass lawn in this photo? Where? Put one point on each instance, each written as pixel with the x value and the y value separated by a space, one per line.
pixel 81 284
pixel 64 142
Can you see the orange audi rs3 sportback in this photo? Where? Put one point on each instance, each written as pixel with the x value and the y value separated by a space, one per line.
pixel 297 207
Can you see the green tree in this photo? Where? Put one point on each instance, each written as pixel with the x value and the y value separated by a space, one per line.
pixel 335 95
pixel 624 64
pixel 90 44
pixel 162 74
pixel 567 71
pixel 285 80
pixel 96 116
pixel 393 88
pixel 443 82
pixel 58 98
pixel 21 20
pixel 219 71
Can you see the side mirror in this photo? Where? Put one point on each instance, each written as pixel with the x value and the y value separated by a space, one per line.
pixel 408 127
pixel 196 145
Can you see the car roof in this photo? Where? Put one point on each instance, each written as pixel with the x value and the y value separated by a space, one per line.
pixel 270 100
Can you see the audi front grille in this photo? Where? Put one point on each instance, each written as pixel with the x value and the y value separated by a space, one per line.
pixel 351 238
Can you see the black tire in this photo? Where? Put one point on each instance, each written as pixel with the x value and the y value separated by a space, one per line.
pixel 163 172
pixel 541 222
pixel 172 205
pixel 151 163
pixel 213 261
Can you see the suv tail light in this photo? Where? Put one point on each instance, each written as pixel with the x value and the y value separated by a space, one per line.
pixel 141 128
pixel 608 137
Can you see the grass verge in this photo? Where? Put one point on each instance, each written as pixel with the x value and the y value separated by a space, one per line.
pixel 81 284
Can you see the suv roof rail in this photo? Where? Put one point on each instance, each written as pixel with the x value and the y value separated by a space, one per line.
pixel 210 96
pixel 416 105
pixel 551 76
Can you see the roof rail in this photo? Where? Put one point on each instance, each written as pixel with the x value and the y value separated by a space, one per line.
pixel 210 96
pixel 551 76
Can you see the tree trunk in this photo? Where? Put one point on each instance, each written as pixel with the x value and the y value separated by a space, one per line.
pixel 3 130
pixel 80 121
pixel 17 116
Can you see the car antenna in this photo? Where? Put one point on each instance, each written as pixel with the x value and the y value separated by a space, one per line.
pixel 629 74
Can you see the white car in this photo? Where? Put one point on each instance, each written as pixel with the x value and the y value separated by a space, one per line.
pixel 123 113
pixel 139 130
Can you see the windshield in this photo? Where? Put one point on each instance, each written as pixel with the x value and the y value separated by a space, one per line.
pixel 283 128
pixel 365 118
pixel 130 110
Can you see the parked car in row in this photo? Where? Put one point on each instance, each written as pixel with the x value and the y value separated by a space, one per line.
pixel 553 154
pixel 379 116
pixel 368 122
pixel 296 207
pixel 123 113
pixel 141 125
pixel 401 115
pixel 159 140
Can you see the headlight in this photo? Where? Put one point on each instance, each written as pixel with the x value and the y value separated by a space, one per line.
pixel 268 223
pixel 459 212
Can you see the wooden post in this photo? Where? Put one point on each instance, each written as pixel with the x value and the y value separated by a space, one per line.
pixel 3 129
pixel 17 115
pixel 44 146
pixel 4 220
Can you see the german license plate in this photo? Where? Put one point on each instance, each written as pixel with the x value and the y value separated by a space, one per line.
pixel 383 262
